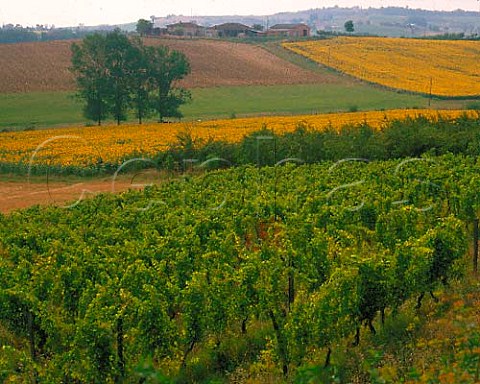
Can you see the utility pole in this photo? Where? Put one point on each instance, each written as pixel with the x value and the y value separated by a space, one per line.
pixel 430 92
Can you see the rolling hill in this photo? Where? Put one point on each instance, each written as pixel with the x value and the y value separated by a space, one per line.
pixel 43 66
pixel 442 68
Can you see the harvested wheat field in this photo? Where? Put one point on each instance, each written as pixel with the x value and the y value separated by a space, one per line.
pixel 43 66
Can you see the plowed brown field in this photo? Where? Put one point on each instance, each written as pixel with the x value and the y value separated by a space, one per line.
pixel 30 67
pixel 43 66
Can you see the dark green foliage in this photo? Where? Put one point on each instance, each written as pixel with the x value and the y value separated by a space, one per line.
pixel 120 63
pixel 399 139
pixel 114 74
pixel 450 36
pixel 349 27
pixel 140 81
pixel 144 27
pixel 17 35
pixel 167 284
pixel 89 65
pixel 166 67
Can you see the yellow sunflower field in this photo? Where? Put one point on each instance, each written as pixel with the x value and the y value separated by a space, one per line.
pixel 442 68
pixel 85 146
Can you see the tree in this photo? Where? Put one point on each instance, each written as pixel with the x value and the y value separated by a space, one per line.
pixel 142 84
pixel 166 67
pixel 115 74
pixel 89 66
pixel 101 64
pixel 121 63
pixel 144 27
pixel 349 27
pixel 258 27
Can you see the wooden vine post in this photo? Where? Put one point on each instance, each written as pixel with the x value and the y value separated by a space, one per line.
pixel 475 245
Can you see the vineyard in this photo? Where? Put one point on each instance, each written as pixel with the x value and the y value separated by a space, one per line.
pixel 441 68
pixel 245 273
pixel 112 145
pixel 316 248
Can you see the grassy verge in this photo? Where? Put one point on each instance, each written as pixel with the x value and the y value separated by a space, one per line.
pixel 293 99
pixel 38 110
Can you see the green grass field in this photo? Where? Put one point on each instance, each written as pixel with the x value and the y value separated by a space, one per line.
pixel 38 110
pixel 293 99
pixel 32 110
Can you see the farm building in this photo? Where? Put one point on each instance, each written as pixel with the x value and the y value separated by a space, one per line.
pixel 231 30
pixel 289 30
pixel 188 29
pixel 157 31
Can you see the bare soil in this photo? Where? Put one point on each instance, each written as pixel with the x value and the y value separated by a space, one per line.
pixel 18 195
pixel 44 66
pixel 224 63
pixel 32 67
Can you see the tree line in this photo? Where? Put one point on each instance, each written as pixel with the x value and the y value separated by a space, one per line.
pixel 10 34
pixel 116 75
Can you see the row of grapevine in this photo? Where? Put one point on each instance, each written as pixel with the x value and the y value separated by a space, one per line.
pixel 308 253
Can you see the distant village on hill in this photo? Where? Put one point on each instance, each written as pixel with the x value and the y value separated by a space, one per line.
pixel 385 21
pixel 232 30
pixel 388 21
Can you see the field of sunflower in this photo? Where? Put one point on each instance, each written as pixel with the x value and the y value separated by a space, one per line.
pixel 442 68
pixel 87 146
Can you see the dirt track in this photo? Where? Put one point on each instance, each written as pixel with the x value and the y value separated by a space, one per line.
pixel 43 66
pixel 17 195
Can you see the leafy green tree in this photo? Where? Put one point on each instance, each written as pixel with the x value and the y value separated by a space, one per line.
pixel 349 27
pixel 89 66
pixel 141 82
pixel 102 64
pixel 121 64
pixel 167 67
pixel 115 74
pixel 144 27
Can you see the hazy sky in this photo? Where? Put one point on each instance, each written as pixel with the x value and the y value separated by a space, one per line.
pixel 94 12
